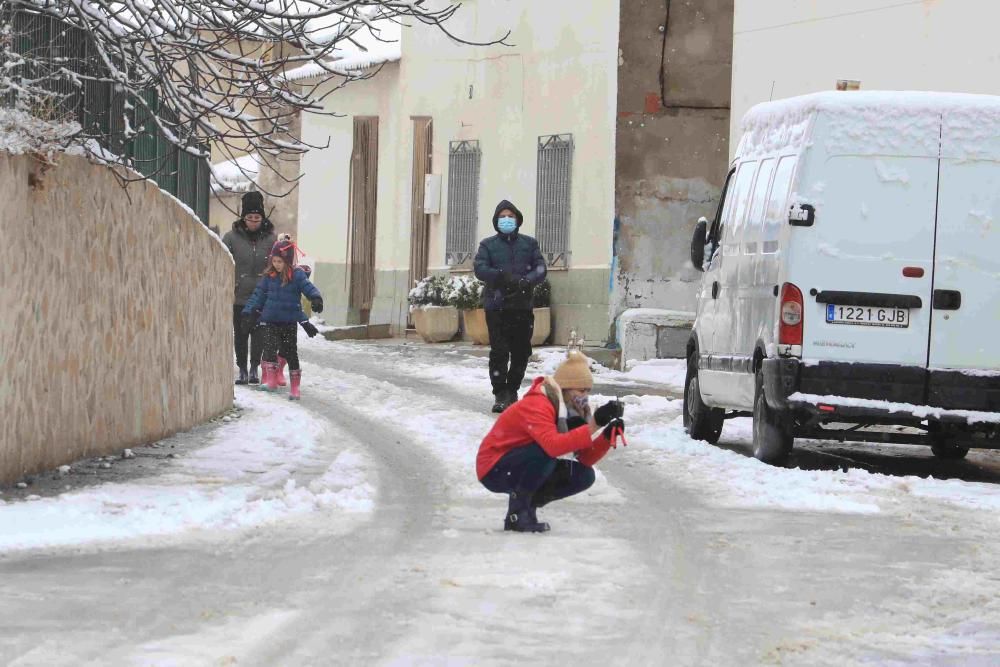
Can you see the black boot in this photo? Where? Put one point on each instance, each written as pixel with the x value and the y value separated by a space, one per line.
pixel 254 377
pixel 242 379
pixel 499 403
pixel 521 516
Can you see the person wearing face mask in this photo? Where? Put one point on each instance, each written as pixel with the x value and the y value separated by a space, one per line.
pixel 510 264
pixel 249 242
pixel 520 456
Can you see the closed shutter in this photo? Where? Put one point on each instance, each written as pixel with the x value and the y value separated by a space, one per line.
pixel 364 195
pixel 419 221
pixel 464 159
pixel 552 205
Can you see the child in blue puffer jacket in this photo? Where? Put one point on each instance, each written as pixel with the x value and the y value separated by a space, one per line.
pixel 277 303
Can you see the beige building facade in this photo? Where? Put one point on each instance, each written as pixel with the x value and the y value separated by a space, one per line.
pixel 487 116
pixel 606 123
pixel 783 48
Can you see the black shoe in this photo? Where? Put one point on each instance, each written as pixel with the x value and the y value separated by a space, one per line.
pixel 242 379
pixel 521 517
pixel 511 397
pixel 499 405
pixel 254 377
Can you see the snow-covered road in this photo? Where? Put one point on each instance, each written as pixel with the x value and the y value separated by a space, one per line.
pixel 350 529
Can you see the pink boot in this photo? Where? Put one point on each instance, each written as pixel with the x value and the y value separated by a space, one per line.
pixel 264 373
pixel 271 372
pixel 281 371
pixel 293 394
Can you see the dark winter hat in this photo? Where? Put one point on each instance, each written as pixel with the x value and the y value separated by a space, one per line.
pixel 504 204
pixel 285 249
pixel 252 202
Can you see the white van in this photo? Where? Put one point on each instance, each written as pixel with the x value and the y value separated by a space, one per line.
pixel 852 276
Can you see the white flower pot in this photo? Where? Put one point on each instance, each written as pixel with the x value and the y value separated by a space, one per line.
pixel 543 326
pixel 436 324
pixel 475 326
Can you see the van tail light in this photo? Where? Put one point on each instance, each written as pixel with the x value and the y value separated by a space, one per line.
pixel 790 326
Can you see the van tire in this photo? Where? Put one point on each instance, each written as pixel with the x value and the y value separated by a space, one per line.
pixel 700 421
pixel 772 436
pixel 947 451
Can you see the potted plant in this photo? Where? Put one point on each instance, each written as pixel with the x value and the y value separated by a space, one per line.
pixel 467 296
pixel 435 319
pixel 543 313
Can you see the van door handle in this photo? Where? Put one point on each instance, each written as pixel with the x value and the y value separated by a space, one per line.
pixel 947 299
pixel 715 289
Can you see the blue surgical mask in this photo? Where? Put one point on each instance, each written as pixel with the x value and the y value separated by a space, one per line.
pixel 506 225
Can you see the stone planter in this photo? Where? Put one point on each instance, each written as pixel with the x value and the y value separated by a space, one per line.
pixel 475 326
pixel 436 324
pixel 543 326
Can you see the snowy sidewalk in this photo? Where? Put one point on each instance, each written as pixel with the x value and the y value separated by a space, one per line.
pixel 263 462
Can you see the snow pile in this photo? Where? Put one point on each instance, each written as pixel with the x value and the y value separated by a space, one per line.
pixel 249 477
pixel 671 373
pixel 375 44
pixel 20 133
pixel 237 175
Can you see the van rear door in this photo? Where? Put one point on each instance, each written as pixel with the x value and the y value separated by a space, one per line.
pixel 874 229
pixel 967 260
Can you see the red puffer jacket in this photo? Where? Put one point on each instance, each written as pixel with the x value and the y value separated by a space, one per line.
pixel 533 419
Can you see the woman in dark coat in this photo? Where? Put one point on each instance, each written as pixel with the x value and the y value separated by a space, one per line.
pixel 249 242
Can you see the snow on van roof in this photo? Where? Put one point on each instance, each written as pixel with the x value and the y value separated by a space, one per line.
pixel 871 122
pixel 849 102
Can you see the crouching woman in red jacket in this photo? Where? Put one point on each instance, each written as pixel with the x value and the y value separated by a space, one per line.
pixel 519 456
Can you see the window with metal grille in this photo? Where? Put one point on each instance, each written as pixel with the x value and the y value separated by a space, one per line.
pixel 555 171
pixel 463 201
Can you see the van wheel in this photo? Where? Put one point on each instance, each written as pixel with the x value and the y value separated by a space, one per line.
pixel 947 451
pixel 772 437
pixel 700 421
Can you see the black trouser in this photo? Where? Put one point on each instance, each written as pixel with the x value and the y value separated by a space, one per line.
pixel 510 341
pixel 240 335
pixel 282 340
pixel 529 471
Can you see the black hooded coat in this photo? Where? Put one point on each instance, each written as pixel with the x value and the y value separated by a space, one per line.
pixel 250 251
pixel 503 260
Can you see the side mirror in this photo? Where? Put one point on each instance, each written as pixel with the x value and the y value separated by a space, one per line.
pixel 802 215
pixel 698 244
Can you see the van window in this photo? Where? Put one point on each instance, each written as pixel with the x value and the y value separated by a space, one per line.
pixel 736 210
pixel 751 232
pixel 777 211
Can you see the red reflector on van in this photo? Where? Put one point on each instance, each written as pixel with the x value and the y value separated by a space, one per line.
pixel 913 272
pixel 826 408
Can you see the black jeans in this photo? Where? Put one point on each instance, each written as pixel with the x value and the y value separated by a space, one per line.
pixel 510 342
pixel 282 340
pixel 529 471
pixel 240 335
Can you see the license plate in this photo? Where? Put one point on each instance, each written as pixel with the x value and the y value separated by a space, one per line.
pixel 867 316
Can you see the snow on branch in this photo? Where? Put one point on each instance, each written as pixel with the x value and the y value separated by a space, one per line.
pixel 196 74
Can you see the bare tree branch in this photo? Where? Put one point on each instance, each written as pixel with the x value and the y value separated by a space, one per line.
pixel 195 74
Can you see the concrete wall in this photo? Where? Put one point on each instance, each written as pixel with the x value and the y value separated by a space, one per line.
pixel 783 48
pixel 558 77
pixel 672 143
pixel 117 316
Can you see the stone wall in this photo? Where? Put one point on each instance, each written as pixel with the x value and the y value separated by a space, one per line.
pixel 116 316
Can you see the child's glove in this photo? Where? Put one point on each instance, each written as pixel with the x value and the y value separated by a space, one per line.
pixel 309 328
pixel 317 304
pixel 608 411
